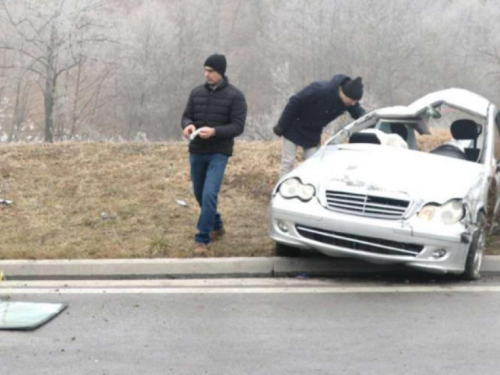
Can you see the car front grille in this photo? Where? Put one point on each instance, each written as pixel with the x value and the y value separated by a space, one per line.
pixel 366 205
pixel 360 243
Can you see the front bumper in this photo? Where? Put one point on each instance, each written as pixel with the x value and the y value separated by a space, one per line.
pixel 412 242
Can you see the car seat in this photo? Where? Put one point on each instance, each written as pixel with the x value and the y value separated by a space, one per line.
pixel 467 129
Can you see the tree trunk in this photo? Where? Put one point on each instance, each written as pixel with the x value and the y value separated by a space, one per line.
pixel 49 109
pixel 13 135
pixel 75 115
pixel 50 85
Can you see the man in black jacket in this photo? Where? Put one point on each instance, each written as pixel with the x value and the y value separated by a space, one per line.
pixel 214 116
pixel 310 110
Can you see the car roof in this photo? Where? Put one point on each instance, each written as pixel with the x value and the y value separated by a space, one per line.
pixel 458 98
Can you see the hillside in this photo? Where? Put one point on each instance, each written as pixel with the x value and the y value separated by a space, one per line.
pixel 102 200
pixel 98 200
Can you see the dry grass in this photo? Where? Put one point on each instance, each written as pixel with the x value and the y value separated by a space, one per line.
pixel 430 142
pixel 99 200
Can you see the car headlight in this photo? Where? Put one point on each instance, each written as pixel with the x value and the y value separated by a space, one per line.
pixel 449 213
pixel 294 188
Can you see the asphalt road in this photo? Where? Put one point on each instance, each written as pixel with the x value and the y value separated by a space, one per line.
pixel 259 326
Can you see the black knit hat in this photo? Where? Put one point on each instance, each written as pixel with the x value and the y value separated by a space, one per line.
pixel 353 89
pixel 217 63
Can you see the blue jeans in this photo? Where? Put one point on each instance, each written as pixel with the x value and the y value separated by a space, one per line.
pixel 207 174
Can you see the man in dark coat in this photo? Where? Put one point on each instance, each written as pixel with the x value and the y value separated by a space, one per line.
pixel 310 110
pixel 215 114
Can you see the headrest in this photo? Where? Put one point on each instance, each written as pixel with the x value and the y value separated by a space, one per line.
pixel 465 129
pixel 364 137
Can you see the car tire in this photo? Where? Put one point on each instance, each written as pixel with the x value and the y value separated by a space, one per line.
pixel 281 250
pixel 476 251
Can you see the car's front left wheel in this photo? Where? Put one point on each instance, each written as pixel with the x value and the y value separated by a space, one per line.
pixel 476 251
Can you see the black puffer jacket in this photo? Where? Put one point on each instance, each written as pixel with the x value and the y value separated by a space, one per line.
pixel 224 109
pixel 312 108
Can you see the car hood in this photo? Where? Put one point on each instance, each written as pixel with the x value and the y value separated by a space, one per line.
pixel 376 168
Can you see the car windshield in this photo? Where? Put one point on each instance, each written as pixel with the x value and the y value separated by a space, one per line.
pixel 450 132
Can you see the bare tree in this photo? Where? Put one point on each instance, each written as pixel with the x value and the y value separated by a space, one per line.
pixel 137 86
pixel 54 38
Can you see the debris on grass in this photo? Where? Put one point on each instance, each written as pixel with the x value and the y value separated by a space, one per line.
pixel 181 203
pixel 106 216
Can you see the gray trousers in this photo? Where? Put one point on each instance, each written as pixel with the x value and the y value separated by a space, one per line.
pixel 289 155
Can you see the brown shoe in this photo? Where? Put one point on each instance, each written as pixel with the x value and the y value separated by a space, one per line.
pixel 200 249
pixel 217 234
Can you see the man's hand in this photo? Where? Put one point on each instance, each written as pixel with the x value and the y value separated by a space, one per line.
pixel 207 132
pixel 188 130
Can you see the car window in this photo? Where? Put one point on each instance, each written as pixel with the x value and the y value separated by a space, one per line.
pixel 439 140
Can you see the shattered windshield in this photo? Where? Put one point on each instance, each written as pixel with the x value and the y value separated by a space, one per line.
pixel 445 131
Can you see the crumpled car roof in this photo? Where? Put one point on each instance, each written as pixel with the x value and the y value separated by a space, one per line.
pixel 459 98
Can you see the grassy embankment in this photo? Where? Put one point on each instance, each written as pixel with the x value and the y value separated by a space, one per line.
pixel 99 200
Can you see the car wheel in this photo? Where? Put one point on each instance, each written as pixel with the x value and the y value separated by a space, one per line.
pixel 281 250
pixel 476 250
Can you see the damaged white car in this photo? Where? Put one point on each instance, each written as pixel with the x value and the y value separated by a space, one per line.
pixel 373 192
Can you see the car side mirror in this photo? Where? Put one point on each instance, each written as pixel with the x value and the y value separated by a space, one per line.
pixel 433 112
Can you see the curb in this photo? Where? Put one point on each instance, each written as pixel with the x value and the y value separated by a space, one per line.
pixel 205 268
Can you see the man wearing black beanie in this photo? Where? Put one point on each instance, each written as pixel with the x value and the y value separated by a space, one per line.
pixel 217 63
pixel 310 110
pixel 215 114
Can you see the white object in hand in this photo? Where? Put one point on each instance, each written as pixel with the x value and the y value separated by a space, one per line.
pixel 194 134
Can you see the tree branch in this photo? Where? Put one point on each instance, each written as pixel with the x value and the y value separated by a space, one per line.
pixel 24 52
pixel 69 67
pixel 17 25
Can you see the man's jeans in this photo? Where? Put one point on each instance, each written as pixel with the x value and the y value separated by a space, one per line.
pixel 289 154
pixel 207 174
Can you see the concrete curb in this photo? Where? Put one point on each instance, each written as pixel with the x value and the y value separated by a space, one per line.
pixel 135 268
pixel 201 268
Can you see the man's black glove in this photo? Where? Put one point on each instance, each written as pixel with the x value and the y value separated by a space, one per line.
pixel 278 130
